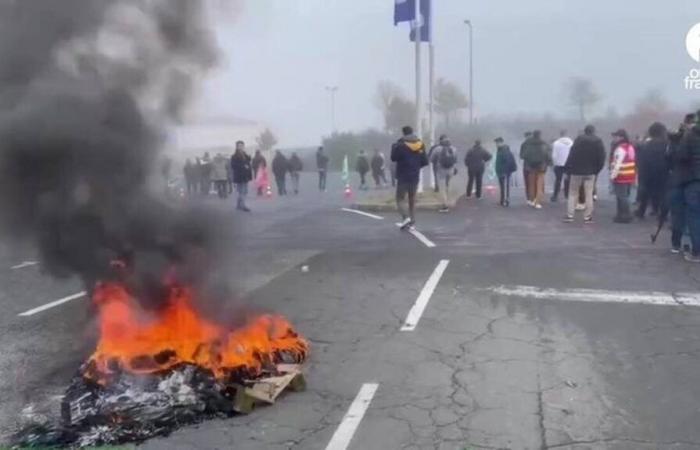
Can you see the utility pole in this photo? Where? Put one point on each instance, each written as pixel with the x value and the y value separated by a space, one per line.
pixel 471 71
pixel 332 91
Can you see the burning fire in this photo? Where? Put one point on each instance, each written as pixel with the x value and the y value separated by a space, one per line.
pixel 133 340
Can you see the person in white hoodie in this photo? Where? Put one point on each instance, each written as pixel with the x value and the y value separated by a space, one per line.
pixel 560 153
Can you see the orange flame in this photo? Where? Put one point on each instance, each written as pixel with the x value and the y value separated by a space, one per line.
pixel 132 340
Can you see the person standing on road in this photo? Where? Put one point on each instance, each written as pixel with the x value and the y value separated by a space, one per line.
pixel 623 174
pixel 445 165
pixel 678 177
pixel 505 167
pixel 219 175
pixel 409 155
pixel 476 160
pixel 205 170
pixel 560 153
pixel 433 162
pixel 585 161
pixel 362 167
pixel 536 157
pixel 523 147
pixel 242 173
pixel 280 167
pixel 378 164
pixel 259 163
pixel 322 166
pixel 653 170
pixel 689 154
pixel 189 171
pixel 295 168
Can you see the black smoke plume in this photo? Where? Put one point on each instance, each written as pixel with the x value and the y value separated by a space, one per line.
pixel 86 89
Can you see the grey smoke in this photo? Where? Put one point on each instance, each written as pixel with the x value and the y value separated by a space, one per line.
pixel 86 89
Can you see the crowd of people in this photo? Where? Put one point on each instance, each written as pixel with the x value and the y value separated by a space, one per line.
pixel 224 173
pixel 664 166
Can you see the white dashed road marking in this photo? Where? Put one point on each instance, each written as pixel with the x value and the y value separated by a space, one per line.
pixel 24 264
pixel 600 295
pixel 53 304
pixel 416 311
pixel 346 430
pixel 421 237
pixel 362 213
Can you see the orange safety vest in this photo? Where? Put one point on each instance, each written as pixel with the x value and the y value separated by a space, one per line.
pixel 628 169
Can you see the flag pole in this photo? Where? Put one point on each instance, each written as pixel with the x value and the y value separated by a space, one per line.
pixel 431 111
pixel 419 100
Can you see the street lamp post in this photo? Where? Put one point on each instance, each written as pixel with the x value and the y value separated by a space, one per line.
pixel 471 71
pixel 332 91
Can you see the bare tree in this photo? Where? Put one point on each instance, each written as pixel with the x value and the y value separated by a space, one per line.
pixel 385 100
pixel 266 140
pixel 449 100
pixel 582 94
pixel 401 112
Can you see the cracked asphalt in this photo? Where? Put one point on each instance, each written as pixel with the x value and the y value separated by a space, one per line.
pixel 480 371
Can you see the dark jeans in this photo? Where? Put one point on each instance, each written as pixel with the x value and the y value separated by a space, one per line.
pixel 559 176
pixel 692 211
pixel 676 205
pixel 474 177
pixel 402 189
pixel 363 179
pixel 651 190
pixel 504 184
pixel 435 174
pixel 191 186
pixel 622 194
pixel 281 181
pixel 322 176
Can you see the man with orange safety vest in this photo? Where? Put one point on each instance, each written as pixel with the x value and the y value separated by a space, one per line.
pixel 623 173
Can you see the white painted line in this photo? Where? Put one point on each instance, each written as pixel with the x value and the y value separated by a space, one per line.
pixel 58 302
pixel 421 237
pixel 346 430
pixel 24 264
pixel 416 312
pixel 600 295
pixel 362 213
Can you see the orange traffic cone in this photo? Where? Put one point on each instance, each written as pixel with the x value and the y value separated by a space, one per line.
pixel 348 191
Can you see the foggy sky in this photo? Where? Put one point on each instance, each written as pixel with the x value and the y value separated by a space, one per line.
pixel 280 54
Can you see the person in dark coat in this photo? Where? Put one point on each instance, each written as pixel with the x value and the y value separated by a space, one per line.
pixel 585 161
pixel 205 169
pixel 362 167
pixel 505 167
pixel 653 170
pixel 295 168
pixel 190 173
pixel 689 154
pixel 322 167
pixel 242 174
pixel 280 167
pixel 410 157
pixel 537 156
pixel 476 160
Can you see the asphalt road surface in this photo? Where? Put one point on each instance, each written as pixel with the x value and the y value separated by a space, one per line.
pixel 514 331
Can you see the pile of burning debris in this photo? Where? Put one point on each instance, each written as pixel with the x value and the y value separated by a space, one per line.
pixel 152 372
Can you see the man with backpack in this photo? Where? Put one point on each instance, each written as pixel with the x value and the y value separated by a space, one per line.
pixel 505 167
pixel 444 161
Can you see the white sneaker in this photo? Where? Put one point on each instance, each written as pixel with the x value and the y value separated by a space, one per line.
pixel 530 203
pixel 580 207
pixel 405 223
pixel 538 206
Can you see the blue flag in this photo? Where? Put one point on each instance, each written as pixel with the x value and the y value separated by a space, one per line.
pixel 426 22
pixel 404 11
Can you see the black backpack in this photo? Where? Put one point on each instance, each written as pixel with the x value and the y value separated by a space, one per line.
pixel 446 158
